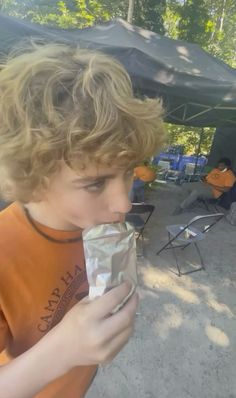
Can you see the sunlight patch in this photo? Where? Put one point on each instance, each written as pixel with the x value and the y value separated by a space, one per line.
pixel 171 319
pixel 217 336
pixel 157 279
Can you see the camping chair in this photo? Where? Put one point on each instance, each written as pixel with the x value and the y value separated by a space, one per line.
pixel 191 172
pixel 187 234
pixel 139 216
pixel 164 167
pixel 224 201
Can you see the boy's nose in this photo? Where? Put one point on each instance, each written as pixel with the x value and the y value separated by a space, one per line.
pixel 120 203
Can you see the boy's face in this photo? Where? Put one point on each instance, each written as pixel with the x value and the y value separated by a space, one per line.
pixel 97 194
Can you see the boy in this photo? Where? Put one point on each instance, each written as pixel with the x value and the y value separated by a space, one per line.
pixel 70 134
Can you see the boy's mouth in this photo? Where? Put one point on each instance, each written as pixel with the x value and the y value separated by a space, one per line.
pixel 119 219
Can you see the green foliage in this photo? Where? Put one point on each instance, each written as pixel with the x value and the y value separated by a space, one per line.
pixel 189 137
pixel 194 21
pixel 209 23
pixel 223 39
pixel 65 14
pixel 5 5
pixel 79 14
pixel 171 19
pixel 149 15
pixel 117 9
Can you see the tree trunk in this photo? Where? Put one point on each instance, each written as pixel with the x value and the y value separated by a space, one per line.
pixel 222 17
pixel 130 11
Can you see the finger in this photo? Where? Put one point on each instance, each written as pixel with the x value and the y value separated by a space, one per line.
pixel 104 305
pixel 121 320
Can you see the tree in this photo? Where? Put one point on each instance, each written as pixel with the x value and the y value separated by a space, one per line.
pixel 189 137
pixel 130 11
pixel 171 18
pixel 80 13
pixel 223 38
pixel 209 23
pixel 149 15
pixel 65 14
pixel 7 5
pixel 193 23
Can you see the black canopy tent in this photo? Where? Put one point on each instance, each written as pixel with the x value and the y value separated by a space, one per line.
pixel 197 88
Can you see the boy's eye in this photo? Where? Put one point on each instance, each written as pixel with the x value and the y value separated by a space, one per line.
pixel 97 186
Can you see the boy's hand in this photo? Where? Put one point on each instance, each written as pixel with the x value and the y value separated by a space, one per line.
pixel 89 334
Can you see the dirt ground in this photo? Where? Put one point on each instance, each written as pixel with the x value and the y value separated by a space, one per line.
pixel 184 345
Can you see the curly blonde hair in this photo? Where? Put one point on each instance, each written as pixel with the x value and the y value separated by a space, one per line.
pixel 59 102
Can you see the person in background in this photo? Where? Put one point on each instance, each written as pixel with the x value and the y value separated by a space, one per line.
pixel 143 174
pixel 3 204
pixel 212 186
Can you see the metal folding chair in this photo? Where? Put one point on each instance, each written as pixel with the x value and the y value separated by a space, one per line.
pixel 187 234
pixel 139 216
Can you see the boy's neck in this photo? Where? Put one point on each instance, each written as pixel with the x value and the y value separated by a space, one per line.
pixel 41 213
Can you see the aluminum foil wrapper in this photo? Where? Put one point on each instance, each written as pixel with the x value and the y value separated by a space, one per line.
pixel 110 256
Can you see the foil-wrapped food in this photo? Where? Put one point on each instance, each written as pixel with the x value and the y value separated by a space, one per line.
pixel 110 256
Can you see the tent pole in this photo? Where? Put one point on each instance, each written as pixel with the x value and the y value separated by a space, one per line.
pixel 199 149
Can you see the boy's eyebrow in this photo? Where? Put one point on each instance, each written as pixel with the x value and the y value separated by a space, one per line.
pixel 93 178
pixel 98 177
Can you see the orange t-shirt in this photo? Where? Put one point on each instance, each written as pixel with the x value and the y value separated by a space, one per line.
pixel 221 179
pixel 144 173
pixel 40 281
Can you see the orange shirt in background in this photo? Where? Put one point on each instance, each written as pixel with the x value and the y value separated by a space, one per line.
pixel 144 173
pixel 221 179
pixel 40 281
